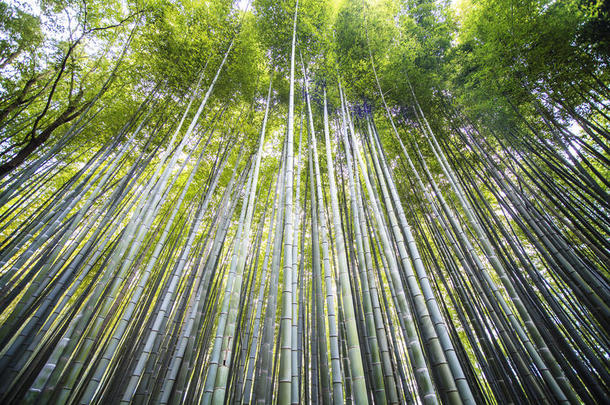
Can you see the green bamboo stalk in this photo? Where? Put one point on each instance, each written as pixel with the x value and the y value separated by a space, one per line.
pixel 355 358
pixel 285 372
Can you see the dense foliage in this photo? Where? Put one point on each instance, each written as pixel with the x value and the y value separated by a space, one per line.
pixel 386 201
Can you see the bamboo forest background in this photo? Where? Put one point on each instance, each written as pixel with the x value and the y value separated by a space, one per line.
pixel 358 201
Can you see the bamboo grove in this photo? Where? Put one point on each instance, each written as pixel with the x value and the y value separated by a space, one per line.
pixel 309 245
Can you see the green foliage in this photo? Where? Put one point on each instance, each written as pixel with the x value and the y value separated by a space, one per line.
pixel 20 34
pixel 594 31
pixel 522 50
pixel 177 41
pixel 479 243
pixel 274 24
